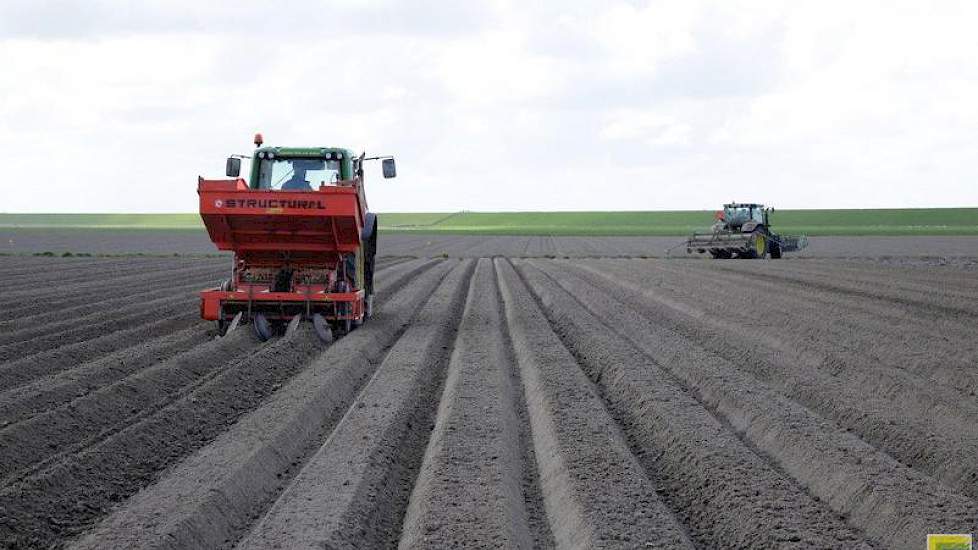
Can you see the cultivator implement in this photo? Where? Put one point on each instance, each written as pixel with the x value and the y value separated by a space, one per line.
pixel 301 252
pixel 727 244
pixel 744 231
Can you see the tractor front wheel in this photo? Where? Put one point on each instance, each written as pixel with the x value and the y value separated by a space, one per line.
pixel 758 247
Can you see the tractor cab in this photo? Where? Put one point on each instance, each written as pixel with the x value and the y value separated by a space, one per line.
pixel 298 168
pixel 735 215
pixel 304 168
pixel 293 169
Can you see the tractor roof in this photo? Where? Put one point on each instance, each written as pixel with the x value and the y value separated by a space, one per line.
pixel 743 205
pixel 307 152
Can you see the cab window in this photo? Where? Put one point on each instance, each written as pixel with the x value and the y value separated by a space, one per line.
pixel 297 174
pixel 758 215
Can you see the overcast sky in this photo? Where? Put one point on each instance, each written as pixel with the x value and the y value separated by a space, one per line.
pixel 115 106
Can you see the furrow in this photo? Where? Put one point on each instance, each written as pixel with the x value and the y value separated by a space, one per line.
pixel 34 364
pixel 70 494
pixel 102 324
pixel 18 402
pixel 22 402
pixel 23 303
pixel 469 490
pixel 210 499
pixel 45 277
pixel 884 349
pixel 595 491
pixel 876 494
pixel 892 280
pixel 937 301
pixel 714 281
pixel 43 316
pixel 15 264
pixel 40 324
pixel 97 320
pixel 869 271
pixel 34 443
pixel 59 267
pixel 353 492
pixel 105 276
pixel 726 494
pixel 887 408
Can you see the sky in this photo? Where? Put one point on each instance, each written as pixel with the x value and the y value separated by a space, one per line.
pixel 118 106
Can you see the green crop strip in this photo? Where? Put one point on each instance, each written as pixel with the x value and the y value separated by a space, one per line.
pixel 893 222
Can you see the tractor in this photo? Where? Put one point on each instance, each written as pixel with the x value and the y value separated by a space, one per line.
pixel 302 240
pixel 743 230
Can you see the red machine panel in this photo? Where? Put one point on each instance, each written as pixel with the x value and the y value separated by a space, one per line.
pixel 251 222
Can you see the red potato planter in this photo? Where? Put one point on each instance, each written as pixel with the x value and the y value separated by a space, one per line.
pixel 303 241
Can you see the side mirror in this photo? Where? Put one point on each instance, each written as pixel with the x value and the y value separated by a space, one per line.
pixel 390 171
pixel 233 167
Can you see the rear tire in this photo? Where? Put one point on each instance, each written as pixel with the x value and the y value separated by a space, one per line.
pixel 322 328
pixel 263 329
pixel 759 244
pixel 775 250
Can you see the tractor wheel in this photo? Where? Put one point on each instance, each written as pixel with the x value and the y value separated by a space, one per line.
pixel 263 329
pixel 322 328
pixel 775 249
pixel 759 246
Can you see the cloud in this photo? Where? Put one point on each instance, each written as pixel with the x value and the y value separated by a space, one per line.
pixel 94 19
pixel 500 105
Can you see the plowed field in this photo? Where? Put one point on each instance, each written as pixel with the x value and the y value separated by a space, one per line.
pixel 494 403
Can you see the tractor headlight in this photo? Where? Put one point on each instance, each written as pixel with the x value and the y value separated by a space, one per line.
pixel 271 156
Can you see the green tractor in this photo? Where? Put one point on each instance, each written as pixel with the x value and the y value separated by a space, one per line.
pixel 743 230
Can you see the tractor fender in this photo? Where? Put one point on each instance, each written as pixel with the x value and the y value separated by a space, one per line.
pixel 369 226
pixel 369 239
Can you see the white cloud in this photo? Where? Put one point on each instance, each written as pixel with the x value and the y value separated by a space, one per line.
pixel 637 39
pixel 114 106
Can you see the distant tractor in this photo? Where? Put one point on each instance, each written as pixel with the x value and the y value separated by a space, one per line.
pixel 743 230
